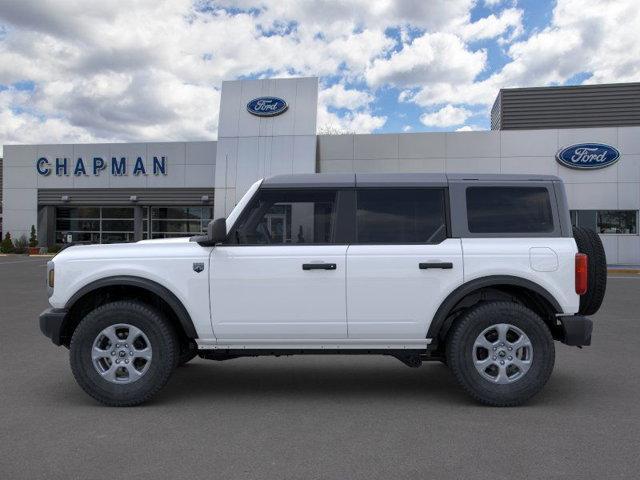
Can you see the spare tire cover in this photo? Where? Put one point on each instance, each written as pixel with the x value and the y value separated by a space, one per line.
pixel 589 243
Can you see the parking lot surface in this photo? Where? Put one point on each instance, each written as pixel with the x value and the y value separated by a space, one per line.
pixel 312 417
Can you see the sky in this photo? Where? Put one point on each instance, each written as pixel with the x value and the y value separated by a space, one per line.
pixel 76 71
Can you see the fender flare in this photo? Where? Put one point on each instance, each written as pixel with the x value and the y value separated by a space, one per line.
pixel 128 280
pixel 465 289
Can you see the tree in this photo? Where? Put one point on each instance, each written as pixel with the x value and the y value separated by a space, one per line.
pixel 33 239
pixel 7 244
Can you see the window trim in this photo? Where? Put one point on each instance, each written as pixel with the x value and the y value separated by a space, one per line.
pixel 336 223
pixel 445 205
pixel 460 226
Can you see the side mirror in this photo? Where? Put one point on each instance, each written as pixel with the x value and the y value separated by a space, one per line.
pixel 217 230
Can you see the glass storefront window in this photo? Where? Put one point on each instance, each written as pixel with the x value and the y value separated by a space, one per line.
pixel 621 222
pixel 94 224
pixel 167 222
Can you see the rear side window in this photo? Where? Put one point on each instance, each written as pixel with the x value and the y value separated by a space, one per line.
pixel 388 215
pixel 509 210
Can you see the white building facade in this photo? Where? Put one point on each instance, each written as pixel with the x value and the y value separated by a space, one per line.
pixel 92 193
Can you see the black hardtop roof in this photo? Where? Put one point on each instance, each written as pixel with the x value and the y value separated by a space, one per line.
pixel 345 180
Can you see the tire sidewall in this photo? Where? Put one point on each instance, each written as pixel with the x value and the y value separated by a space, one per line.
pixel 162 344
pixel 460 353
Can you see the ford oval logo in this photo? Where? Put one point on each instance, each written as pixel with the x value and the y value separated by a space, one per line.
pixel 267 106
pixel 588 156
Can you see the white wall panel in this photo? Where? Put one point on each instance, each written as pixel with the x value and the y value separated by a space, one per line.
pixel 473 144
pixel 375 146
pixel 610 243
pixel 629 140
pixel 201 176
pixel 529 143
pixel 571 136
pixel 229 116
pixel 20 177
pixel 421 165
pixel 200 153
pixel 628 196
pixel 628 249
pixel 473 165
pixel 628 168
pixel 336 166
pixel 421 145
pixel 336 147
pixel 535 165
pixel 20 155
pixel 592 196
pixel 389 165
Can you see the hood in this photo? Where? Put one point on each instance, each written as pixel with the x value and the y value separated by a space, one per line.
pixel 160 248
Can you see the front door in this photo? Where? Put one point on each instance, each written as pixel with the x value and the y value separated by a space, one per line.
pixel 280 275
pixel 402 265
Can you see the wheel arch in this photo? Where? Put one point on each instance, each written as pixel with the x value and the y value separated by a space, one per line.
pixel 492 287
pixel 127 286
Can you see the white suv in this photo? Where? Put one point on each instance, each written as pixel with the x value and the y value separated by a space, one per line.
pixel 479 272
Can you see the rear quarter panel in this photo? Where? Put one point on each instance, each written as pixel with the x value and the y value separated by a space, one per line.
pixel 548 262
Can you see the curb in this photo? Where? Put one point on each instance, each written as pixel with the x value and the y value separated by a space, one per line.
pixel 623 271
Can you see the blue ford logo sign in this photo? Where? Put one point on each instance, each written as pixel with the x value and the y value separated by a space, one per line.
pixel 267 106
pixel 588 156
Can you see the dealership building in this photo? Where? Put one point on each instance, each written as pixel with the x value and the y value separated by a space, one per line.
pixel 100 193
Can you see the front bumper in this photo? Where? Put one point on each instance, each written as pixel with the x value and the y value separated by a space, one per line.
pixel 576 330
pixel 51 323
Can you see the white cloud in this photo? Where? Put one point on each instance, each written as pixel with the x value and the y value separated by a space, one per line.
pixel 152 70
pixel 583 37
pixel 447 116
pixel 407 128
pixel 509 20
pixel 469 128
pixel 432 57
pixel 338 96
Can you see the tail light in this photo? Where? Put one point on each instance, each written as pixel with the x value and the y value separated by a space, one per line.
pixel 582 273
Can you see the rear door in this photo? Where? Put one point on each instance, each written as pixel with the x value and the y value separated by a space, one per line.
pixel 402 264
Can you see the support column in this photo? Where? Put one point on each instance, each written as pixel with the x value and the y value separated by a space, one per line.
pixel 138 215
pixel 46 228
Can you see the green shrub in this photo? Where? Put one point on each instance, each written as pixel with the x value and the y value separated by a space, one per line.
pixel 33 239
pixel 21 244
pixel 54 248
pixel 7 244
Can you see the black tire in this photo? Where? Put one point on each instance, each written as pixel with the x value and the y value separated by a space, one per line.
pixel 589 243
pixel 460 352
pixel 188 351
pixel 164 347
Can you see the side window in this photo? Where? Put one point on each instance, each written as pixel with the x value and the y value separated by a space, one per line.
pixel 388 215
pixel 509 210
pixel 278 217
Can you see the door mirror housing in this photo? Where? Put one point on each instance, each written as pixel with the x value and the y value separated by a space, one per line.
pixel 217 230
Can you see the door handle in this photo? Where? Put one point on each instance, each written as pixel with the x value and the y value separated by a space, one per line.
pixel 319 266
pixel 442 265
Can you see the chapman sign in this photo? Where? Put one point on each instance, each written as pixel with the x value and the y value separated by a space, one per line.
pixel 267 106
pixel 588 156
pixel 117 166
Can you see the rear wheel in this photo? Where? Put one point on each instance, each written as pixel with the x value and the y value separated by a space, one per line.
pixel 501 353
pixel 123 353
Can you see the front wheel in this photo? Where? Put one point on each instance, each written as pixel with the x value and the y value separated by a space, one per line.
pixel 501 353
pixel 123 353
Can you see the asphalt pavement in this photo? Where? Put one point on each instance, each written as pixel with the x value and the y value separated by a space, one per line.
pixel 326 417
